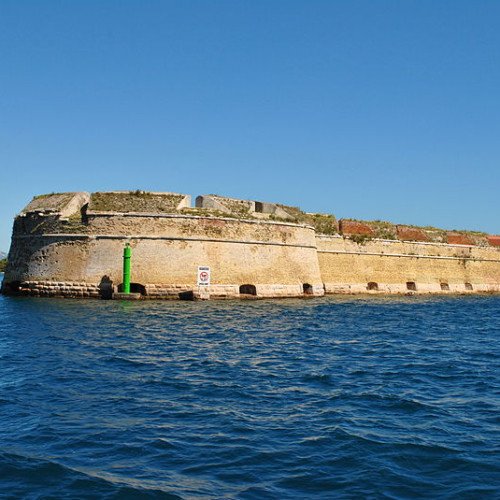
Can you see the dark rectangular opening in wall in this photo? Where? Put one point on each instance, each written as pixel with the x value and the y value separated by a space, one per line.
pixel 307 289
pixel 83 213
pixel 468 286
pixel 259 207
pixel 248 290
pixel 187 295
pixel 372 286
pixel 445 286
pixel 411 285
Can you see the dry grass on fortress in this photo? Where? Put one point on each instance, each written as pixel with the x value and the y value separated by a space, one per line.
pixel 134 201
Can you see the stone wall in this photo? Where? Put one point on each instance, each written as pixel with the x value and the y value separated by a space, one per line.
pixel 392 266
pixel 71 245
pixel 277 258
pixel 70 289
pixel 62 204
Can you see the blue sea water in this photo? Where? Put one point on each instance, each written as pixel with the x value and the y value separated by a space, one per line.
pixel 324 398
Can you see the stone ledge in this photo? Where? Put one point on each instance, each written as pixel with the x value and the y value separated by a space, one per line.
pixel 220 292
pixel 401 289
pixel 126 296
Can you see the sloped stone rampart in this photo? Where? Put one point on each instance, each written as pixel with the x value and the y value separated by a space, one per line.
pixel 61 204
pixel 228 205
pixel 138 202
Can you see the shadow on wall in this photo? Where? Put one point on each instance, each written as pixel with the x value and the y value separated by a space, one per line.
pixel 134 288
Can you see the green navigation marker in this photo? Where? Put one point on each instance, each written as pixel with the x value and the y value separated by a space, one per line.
pixel 127 253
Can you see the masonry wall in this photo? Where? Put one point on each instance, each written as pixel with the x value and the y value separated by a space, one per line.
pixel 277 258
pixel 348 267
pixel 63 246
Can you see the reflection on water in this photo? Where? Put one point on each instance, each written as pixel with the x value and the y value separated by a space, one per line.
pixel 356 397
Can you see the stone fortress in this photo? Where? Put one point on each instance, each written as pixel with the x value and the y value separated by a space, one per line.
pixel 71 245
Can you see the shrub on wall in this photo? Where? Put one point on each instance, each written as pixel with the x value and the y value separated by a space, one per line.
pixel 322 223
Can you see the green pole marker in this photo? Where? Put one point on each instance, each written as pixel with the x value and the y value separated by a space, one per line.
pixel 127 253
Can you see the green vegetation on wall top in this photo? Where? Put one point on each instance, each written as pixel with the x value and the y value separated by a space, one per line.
pixel 134 201
pixel 147 202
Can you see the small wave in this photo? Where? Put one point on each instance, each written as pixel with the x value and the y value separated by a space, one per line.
pixel 320 378
pixel 21 475
pixel 127 362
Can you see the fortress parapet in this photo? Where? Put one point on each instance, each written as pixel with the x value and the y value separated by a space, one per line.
pixel 71 245
pixel 254 209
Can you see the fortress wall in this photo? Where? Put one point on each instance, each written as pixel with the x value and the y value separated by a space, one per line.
pixel 277 258
pixel 71 244
pixel 186 226
pixel 348 267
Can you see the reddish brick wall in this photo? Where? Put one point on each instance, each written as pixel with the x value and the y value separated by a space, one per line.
pixel 411 234
pixel 494 240
pixel 459 239
pixel 355 227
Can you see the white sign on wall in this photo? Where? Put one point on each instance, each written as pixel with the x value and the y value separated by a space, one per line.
pixel 203 275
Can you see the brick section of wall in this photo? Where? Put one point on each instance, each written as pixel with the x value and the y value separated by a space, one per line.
pixel 166 291
pixel 349 227
pixel 401 289
pixel 68 289
pixel 169 291
pixel 494 240
pixel 406 233
pixel 455 238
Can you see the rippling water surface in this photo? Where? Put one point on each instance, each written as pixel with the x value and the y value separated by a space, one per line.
pixel 320 398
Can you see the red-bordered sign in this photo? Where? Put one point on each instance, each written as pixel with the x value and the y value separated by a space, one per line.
pixel 203 275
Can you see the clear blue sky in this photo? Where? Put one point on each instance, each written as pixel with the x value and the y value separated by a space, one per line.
pixel 369 109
